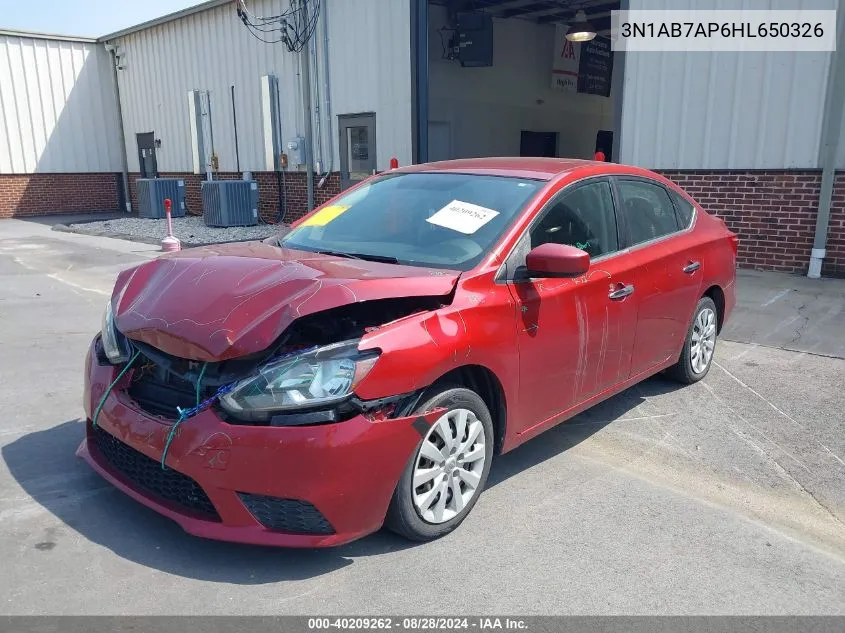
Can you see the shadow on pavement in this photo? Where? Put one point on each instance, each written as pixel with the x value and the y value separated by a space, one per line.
pixel 73 218
pixel 45 466
pixel 561 438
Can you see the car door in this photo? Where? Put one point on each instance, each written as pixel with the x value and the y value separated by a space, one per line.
pixel 667 286
pixel 685 264
pixel 575 336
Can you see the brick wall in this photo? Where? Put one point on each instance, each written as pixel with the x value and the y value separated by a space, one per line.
pixel 774 214
pixel 295 188
pixel 41 194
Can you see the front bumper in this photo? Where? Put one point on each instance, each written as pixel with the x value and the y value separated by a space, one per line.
pixel 347 471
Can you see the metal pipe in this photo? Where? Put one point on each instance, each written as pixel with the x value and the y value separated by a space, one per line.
pixel 306 107
pixel 235 129
pixel 127 203
pixel 327 94
pixel 318 131
pixel 828 148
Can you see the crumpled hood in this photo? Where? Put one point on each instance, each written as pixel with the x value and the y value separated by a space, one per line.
pixel 216 303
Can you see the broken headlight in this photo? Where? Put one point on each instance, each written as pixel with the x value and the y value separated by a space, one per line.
pixel 311 378
pixel 114 345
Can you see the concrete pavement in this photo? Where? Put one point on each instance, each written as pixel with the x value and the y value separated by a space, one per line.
pixel 726 497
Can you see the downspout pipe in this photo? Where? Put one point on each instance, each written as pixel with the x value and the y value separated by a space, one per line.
pixel 828 148
pixel 305 63
pixel 327 96
pixel 111 49
pixel 318 121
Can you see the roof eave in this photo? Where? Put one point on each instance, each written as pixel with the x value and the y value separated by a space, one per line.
pixel 170 17
pixel 37 35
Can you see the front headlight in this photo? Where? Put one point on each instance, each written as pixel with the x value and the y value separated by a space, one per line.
pixel 114 345
pixel 317 377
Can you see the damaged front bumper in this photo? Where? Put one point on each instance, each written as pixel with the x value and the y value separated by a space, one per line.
pixel 297 486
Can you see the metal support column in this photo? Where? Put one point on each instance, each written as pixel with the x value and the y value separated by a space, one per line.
pixel 829 147
pixel 419 81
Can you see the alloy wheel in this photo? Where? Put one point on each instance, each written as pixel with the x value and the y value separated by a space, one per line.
pixel 449 466
pixel 703 340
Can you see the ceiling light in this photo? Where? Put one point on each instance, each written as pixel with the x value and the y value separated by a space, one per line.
pixel 580 30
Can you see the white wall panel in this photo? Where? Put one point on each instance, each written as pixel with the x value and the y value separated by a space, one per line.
pixel 57 109
pixel 211 50
pixel 725 110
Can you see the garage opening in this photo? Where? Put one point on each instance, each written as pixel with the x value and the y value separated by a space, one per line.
pixel 504 80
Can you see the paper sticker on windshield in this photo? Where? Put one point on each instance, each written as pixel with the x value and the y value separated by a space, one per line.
pixel 463 217
pixel 325 215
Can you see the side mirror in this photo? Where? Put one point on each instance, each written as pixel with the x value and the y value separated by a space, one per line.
pixel 556 260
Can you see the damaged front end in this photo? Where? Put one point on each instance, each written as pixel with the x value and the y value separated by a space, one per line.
pixel 306 377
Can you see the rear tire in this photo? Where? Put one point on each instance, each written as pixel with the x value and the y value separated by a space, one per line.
pixel 699 345
pixel 450 467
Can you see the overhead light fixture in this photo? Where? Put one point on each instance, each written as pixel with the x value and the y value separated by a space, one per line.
pixel 580 30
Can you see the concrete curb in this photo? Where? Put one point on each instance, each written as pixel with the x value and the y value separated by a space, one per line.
pixel 64 228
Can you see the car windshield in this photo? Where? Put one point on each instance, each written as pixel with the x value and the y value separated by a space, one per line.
pixel 442 220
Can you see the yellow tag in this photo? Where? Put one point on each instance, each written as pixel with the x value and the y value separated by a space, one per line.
pixel 324 216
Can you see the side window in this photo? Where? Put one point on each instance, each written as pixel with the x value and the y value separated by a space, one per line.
pixel 683 209
pixel 583 217
pixel 648 210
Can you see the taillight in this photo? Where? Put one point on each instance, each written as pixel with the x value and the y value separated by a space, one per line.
pixel 735 243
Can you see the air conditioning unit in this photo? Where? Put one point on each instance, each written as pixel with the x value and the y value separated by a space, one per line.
pixel 230 202
pixel 153 191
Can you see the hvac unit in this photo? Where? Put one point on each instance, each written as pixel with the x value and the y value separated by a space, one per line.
pixel 230 202
pixel 152 193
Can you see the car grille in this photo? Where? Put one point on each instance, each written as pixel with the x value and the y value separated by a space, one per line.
pixel 147 474
pixel 159 393
pixel 286 515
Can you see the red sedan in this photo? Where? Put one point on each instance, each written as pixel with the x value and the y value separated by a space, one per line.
pixel 364 367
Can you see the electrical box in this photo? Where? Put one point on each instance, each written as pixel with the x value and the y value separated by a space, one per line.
pixel 296 150
pixel 153 191
pixel 474 39
pixel 230 202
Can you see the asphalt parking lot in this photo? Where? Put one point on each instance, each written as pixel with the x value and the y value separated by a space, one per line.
pixel 726 497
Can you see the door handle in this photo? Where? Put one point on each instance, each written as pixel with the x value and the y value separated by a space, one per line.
pixel 621 293
pixel 692 267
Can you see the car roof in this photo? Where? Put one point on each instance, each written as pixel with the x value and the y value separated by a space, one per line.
pixel 525 167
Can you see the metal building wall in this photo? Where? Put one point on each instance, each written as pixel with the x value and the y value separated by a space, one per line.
pixel 57 108
pixel 212 50
pixel 840 154
pixel 725 110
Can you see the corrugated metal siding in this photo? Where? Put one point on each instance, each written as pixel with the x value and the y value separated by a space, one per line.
pixel 57 110
pixel 370 67
pixel 212 50
pixel 725 110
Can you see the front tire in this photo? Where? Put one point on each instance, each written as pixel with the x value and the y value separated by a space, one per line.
pixel 448 470
pixel 699 345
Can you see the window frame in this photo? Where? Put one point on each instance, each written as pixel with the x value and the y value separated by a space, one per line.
pixel 677 197
pixel 515 259
pixel 670 193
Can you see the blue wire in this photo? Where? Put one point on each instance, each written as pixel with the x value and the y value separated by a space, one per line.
pixel 184 414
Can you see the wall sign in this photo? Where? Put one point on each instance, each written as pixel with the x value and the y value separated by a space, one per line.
pixel 582 66
pixel 565 64
pixel 596 67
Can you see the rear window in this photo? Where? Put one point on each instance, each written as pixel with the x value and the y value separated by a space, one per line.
pixel 648 210
pixel 683 208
